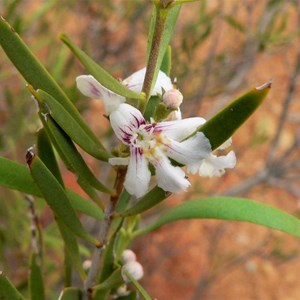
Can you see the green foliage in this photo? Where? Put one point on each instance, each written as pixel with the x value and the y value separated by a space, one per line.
pixel 71 126
pixel 56 197
pixel 36 282
pixel 17 177
pixel 222 126
pixel 227 208
pixel 98 72
pixel 7 290
pixel 71 293
pixel 63 127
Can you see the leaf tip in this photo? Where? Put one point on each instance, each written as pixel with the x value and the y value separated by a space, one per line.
pixel 266 85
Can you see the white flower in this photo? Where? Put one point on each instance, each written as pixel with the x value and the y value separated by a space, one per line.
pixel 133 268
pixel 155 143
pixel 214 165
pixel 90 87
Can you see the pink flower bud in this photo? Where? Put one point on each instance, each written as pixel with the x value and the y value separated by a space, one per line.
pixel 128 255
pixel 172 98
pixel 134 268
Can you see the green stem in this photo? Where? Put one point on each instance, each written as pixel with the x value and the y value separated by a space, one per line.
pixel 154 51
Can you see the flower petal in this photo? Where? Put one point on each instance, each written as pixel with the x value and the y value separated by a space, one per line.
pixel 174 115
pixel 163 81
pixel 90 87
pixel 189 151
pixel 135 82
pixel 138 175
pixel 179 129
pixel 169 178
pixel 125 120
pixel 216 165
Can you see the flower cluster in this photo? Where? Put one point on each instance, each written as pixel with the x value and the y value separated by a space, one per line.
pixel 165 145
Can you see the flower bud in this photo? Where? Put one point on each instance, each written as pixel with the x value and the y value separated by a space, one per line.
pixel 122 291
pixel 87 264
pixel 134 268
pixel 128 256
pixel 172 98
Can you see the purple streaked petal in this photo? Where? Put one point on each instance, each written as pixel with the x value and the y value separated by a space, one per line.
pixel 138 175
pixel 90 87
pixel 125 120
pixel 179 129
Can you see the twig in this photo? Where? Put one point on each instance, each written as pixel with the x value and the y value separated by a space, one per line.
pixel 109 210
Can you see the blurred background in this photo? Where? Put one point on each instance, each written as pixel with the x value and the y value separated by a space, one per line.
pixel 220 50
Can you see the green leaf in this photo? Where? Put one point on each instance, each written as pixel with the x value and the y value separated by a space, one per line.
pixel 46 154
pixel 56 197
pixel 113 281
pixel 36 282
pixel 151 107
pixel 70 125
pixel 221 127
pixel 7 290
pixel 17 177
pixel 132 296
pixel 143 292
pixel 229 208
pixel 70 155
pixel 35 73
pixel 152 198
pixel 85 206
pixel 72 248
pixel 98 72
pixel 167 61
pixel 71 293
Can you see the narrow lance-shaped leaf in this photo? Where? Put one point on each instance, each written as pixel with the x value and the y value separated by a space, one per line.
pixel 98 72
pixel 49 105
pixel 35 73
pixel 71 293
pixel 221 127
pixel 36 282
pixel 113 281
pixel 167 61
pixel 152 198
pixel 72 248
pixel 7 289
pixel 228 208
pixel 46 154
pixel 70 155
pixel 17 177
pixel 56 197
